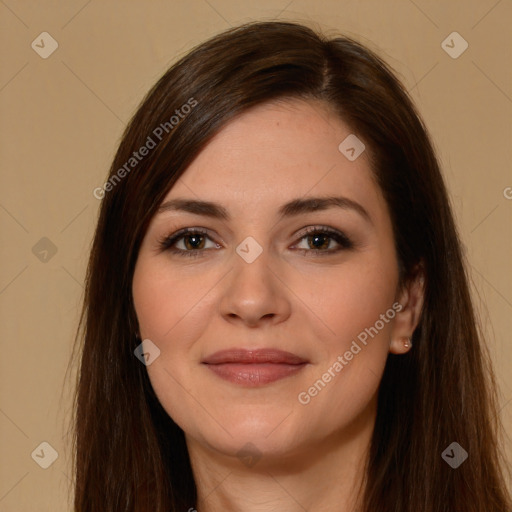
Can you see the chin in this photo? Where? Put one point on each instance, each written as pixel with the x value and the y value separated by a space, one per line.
pixel 255 436
pixel 250 450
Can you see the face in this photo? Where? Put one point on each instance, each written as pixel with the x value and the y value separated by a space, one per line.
pixel 273 323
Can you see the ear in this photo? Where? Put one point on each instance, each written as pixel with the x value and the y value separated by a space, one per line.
pixel 410 297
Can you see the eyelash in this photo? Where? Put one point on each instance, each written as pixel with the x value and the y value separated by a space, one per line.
pixel 166 243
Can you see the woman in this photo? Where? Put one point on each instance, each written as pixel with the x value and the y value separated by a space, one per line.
pixel 277 314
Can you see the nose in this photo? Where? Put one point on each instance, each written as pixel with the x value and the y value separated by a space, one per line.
pixel 255 293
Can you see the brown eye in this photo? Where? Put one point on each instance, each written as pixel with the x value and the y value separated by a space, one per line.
pixel 194 240
pixel 318 240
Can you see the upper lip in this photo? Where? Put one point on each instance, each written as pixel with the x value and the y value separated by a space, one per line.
pixel 255 356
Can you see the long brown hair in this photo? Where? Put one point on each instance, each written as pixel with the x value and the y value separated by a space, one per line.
pixel 129 455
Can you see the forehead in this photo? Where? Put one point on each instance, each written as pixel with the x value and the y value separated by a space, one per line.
pixel 275 152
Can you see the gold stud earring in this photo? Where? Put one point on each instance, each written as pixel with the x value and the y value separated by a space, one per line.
pixel 407 342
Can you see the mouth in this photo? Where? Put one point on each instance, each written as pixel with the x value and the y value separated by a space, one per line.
pixel 253 368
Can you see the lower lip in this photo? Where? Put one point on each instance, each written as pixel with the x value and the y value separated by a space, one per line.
pixel 255 374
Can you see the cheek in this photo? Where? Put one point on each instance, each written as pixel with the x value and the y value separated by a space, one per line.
pixel 170 305
pixel 172 309
pixel 356 304
pixel 350 297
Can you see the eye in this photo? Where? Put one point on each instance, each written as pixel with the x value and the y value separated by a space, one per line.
pixel 191 239
pixel 320 238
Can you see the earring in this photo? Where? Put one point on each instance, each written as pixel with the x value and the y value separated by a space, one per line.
pixel 407 342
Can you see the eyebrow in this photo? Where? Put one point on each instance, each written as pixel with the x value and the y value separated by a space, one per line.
pixel 295 207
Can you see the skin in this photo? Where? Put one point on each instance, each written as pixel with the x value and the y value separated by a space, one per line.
pixel 306 456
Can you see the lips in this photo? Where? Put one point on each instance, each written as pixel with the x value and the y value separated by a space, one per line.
pixel 244 356
pixel 254 367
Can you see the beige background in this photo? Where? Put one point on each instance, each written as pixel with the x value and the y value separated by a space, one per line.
pixel 61 121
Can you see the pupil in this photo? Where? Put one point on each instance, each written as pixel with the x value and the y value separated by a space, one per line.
pixel 195 243
pixel 316 238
